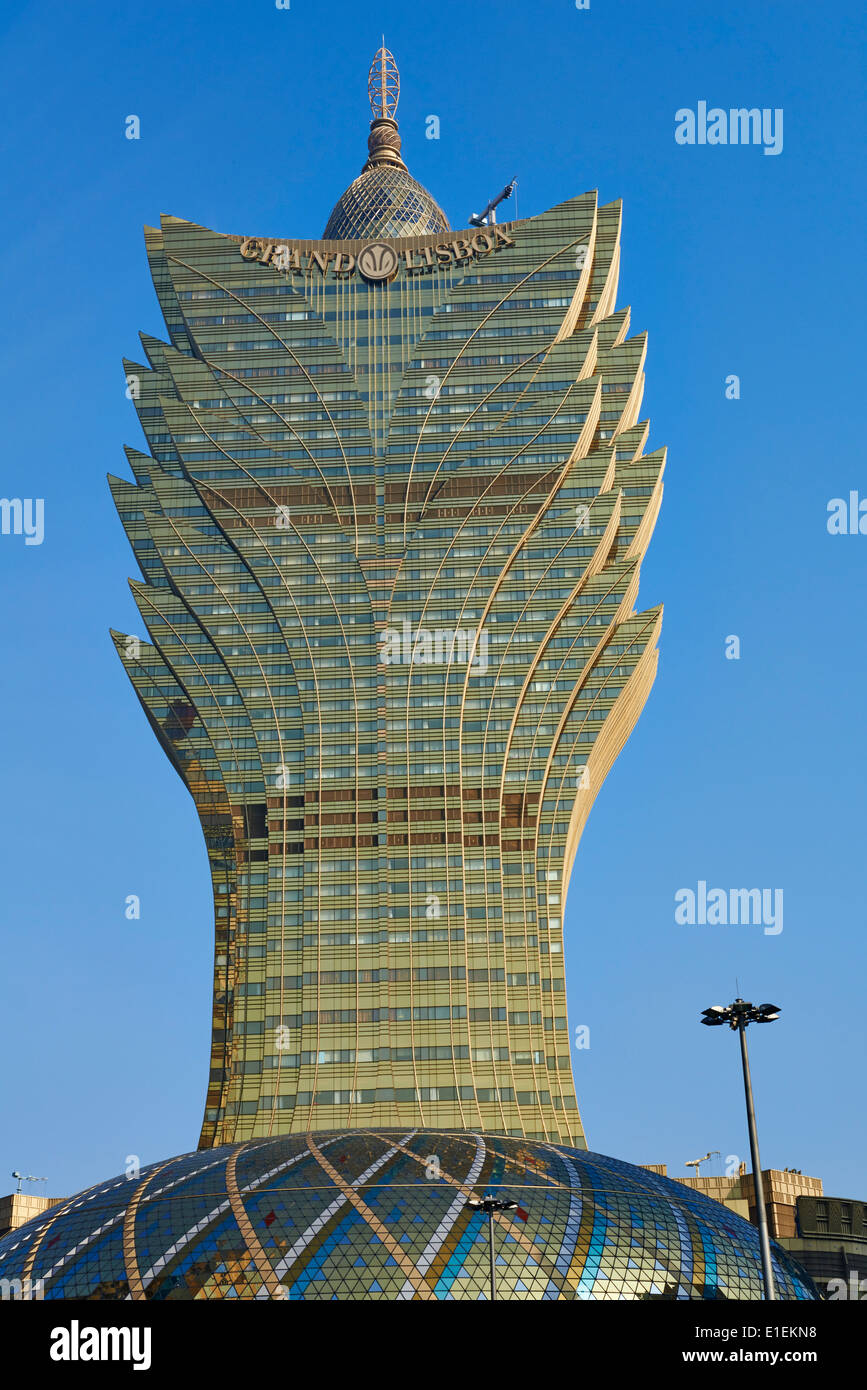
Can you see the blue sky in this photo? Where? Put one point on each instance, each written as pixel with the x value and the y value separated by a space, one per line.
pixel 742 773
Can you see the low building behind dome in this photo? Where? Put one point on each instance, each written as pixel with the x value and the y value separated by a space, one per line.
pixel 382 1215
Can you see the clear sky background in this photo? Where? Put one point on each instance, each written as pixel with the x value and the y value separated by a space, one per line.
pixel 747 773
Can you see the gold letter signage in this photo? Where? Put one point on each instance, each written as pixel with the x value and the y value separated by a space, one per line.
pixel 378 261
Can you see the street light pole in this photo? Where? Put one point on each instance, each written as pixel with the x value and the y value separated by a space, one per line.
pixel 758 1181
pixel 489 1205
pixel 738 1016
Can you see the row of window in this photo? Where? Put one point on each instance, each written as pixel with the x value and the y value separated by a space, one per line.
pixel 398 1094
pixel 460 1052
pixel 419 1013
pixel 393 975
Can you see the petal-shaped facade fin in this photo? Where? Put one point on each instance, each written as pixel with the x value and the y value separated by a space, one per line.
pixel 389 529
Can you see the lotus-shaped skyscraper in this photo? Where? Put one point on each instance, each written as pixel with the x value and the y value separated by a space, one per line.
pixel 390 527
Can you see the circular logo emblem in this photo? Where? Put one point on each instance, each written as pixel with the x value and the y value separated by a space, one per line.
pixel 378 261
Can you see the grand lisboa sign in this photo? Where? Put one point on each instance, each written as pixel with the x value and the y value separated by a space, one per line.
pixel 378 261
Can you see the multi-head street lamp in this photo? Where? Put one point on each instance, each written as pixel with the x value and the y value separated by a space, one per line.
pixel 489 1205
pixel 739 1016
pixel 740 1013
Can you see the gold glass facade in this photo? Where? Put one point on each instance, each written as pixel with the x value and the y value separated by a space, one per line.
pixel 390 528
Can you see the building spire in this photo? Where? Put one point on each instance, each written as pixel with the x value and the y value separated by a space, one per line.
pixel 383 89
pixel 384 200
pixel 383 84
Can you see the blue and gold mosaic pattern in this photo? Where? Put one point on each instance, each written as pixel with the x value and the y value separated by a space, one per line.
pixel 382 1215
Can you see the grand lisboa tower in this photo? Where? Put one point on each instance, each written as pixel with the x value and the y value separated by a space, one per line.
pixel 389 529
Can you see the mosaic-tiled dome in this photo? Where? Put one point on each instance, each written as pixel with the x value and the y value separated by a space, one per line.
pixel 382 1215
pixel 384 201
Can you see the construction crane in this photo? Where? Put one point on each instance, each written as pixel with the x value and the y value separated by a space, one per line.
pixel 482 219
pixel 28 1178
pixel 697 1162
